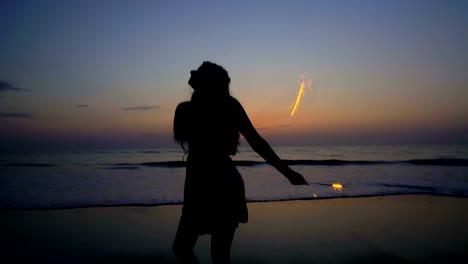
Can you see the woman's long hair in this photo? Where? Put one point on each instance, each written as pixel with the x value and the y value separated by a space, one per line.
pixel 210 119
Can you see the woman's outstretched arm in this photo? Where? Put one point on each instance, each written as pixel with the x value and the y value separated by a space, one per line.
pixel 261 146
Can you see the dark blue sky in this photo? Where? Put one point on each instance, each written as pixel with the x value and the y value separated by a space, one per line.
pixel 382 71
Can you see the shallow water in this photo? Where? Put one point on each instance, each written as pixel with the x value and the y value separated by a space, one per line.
pixel 156 176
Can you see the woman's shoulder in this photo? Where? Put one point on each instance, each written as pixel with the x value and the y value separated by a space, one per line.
pixel 184 106
pixel 235 103
pixel 187 106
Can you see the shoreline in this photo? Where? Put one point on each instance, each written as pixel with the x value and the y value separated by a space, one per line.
pixel 12 209
pixel 385 229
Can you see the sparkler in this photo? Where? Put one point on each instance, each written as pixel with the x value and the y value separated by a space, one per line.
pixel 305 83
pixel 337 186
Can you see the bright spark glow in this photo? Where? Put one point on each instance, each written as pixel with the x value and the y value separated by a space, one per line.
pixel 337 186
pixel 305 83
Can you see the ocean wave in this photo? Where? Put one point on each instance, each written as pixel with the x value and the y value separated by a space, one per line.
pixel 123 168
pixel 150 152
pixel 26 165
pixel 180 202
pixel 328 162
pixel 250 163
pixel 406 186
pixel 440 162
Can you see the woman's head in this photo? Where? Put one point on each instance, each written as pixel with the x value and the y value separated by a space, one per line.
pixel 196 125
pixel 210 78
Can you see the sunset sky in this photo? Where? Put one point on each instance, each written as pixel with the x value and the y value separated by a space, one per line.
pixel 110 73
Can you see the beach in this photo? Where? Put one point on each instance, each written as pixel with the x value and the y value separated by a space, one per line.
pixel 378 229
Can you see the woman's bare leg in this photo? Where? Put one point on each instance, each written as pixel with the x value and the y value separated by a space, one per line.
pixel 221 242
pixel 184 243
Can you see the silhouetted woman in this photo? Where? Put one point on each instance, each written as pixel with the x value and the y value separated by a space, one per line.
pixel 208 128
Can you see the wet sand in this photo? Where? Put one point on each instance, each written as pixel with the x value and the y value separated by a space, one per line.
pixel 387 229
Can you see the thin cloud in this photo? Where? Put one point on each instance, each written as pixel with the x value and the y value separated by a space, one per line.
pixel 15 115
pixel 6 86
pixel 81 105
pixel 270 127
pixel 141 108
pixel 263 128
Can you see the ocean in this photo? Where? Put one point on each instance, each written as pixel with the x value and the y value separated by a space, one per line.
pixel 117 177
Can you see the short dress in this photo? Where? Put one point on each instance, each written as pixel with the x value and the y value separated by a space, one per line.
pixel 214 194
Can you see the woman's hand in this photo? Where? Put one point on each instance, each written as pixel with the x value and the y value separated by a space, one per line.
pixel 295 178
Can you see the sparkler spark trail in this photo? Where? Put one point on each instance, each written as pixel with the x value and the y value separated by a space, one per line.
pixel 305 83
